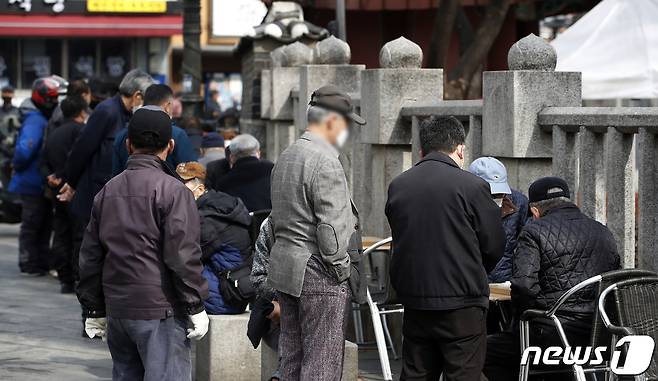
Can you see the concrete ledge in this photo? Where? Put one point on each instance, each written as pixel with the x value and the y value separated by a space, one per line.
pixel 270 361
pixel 226 353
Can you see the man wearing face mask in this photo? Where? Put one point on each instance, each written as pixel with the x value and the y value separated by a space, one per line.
pixel 225 241
pixel 513 209
pixel 140 261
pixel 89 165
pixel 161 96
pixel 447 234
pixel 316 241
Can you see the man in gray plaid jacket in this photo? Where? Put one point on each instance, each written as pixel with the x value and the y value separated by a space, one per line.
pixel 316 241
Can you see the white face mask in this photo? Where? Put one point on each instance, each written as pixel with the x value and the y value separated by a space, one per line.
pixel 342 137
pixel 499 202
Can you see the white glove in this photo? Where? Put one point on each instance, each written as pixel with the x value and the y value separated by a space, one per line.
pixel 199 328
pixel 96 327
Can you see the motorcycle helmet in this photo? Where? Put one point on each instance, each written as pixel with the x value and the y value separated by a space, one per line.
pixel 45 93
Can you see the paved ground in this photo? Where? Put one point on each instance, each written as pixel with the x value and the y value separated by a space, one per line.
pixel 40 337
pixel 40 329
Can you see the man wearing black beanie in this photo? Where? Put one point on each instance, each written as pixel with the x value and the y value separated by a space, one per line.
pixel 140 261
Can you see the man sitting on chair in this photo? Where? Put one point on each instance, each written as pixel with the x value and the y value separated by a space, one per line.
pixel 559 249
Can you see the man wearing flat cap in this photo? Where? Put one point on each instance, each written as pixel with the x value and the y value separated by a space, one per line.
pixel 140 261
pixel 559 249
pixel 313 264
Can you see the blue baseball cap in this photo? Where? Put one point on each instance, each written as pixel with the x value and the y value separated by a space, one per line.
pixel 492 171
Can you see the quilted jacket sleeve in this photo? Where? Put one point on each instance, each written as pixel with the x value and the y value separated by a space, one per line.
pixel 525 272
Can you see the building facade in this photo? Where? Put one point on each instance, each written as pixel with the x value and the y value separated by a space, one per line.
pixel 85 38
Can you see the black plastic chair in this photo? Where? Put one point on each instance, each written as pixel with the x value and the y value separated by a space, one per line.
pixel 599 336
pixel 635 304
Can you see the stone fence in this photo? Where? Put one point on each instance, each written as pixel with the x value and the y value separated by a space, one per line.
pixel 594 150
pixel 531 118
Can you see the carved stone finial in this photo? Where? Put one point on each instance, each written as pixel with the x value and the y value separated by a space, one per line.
pixel 332 51
pixel 297 54
pixel 401 53
pixel 531 53
pixel 278 56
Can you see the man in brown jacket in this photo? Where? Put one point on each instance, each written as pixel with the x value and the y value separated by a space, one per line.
pixel 140 261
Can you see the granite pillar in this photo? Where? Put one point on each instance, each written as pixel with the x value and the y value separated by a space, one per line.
pixel 388 136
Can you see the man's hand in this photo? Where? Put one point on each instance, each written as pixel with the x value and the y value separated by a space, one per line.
pixel 96 327
pixel 66 193
pixel 199 327
pixel 275 315
pixel 53 180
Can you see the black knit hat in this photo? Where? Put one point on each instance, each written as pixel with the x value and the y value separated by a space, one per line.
pixel 150 128
pixel 547 188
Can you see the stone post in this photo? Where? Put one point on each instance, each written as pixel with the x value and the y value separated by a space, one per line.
pixel 647 232
pixel 330 66
pixel 386 138
pixel 512 101
pixel 277 85
pixel 620 196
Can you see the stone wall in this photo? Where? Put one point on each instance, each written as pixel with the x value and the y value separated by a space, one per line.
pixel 530 118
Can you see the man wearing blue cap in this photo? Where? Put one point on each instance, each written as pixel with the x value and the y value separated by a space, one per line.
pixel 513 207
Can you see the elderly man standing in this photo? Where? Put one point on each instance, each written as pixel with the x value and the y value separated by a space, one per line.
pixel 315 231
pixel 249 177
pixel 447 234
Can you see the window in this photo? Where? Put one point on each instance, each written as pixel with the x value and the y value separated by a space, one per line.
pixel 115 58
pixel 40 58
pixel 82 58
pixel 8 64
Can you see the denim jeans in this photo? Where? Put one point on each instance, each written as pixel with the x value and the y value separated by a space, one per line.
pixel 149 350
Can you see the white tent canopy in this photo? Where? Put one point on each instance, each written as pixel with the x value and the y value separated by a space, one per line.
pixel 615 46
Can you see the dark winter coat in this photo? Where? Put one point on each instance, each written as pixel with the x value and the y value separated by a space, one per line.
pixel 90 162
pixel 58 145
pixel 514 214
pixel 27 178
pixel 140 257
pixel 248 179
pixel 215 170
pixel 556 252
pixel 447 234
pixel 225 243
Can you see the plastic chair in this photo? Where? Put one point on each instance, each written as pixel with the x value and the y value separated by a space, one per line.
pixel 382 292
pixel 598 337
pixel 636 306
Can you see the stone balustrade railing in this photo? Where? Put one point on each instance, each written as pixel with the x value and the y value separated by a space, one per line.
pixel 593 149
pixel 468 111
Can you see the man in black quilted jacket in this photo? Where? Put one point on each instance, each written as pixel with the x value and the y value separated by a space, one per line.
pixel 558 250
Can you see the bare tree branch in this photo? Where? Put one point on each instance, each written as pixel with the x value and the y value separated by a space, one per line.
pixel 459 78
pixel 442 33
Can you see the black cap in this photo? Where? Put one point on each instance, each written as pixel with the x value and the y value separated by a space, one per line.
pixel 547 188
pixel 149 127
pixel 330 98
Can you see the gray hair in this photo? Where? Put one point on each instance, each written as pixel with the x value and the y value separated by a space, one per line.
pixel 134 81
pixel 545 206
pixel 244 145
pixel 316 114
